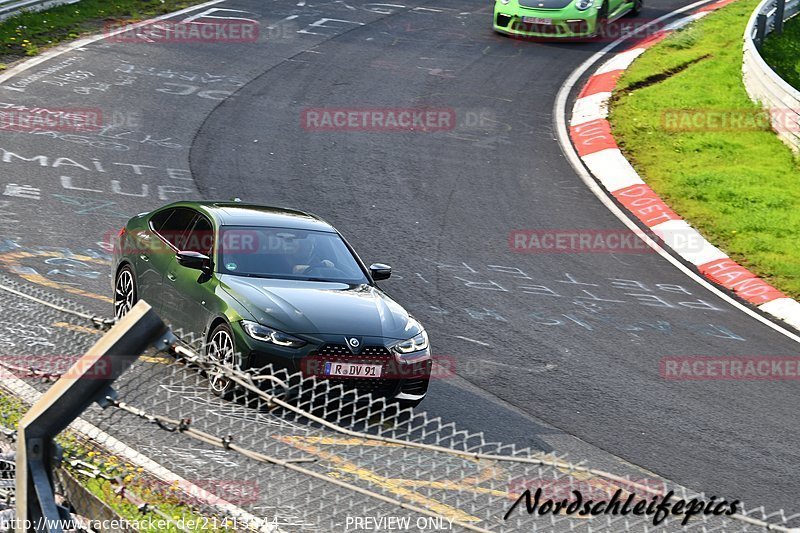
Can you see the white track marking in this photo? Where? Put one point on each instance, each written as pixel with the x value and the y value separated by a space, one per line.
pixel 621 61
pixel 617 171
pixel 80 43
pixel 590 108
pixel 784 307
pixel 473 340
pixel 290 17
pixel 688 242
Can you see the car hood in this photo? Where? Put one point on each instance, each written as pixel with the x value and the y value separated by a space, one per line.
pixel 320 308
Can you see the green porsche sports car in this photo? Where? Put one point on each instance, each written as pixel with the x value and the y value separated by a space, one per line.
pixel 272 286
pixel 570 19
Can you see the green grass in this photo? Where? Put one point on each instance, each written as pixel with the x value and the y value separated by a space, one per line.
pixel 25 34
pixel 782 52
pixel 741 187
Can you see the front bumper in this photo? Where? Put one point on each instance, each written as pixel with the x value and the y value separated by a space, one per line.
pixel 567 23
pixel 400 380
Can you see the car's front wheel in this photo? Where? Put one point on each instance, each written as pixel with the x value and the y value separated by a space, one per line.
pixel 637 8
pixel 221 351
pixel 125 296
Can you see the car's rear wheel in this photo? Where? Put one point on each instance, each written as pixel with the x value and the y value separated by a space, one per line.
pixel 125 296
pixel 637 8
pixel 221 349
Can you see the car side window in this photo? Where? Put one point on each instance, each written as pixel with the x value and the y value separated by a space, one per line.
pixel 201 237
pixel 174 227
pixel 157 221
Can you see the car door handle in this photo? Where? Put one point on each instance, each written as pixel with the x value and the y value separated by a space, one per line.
pixel 144 257
pixel 172 277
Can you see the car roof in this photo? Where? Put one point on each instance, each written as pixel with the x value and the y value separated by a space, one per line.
pixel 242 214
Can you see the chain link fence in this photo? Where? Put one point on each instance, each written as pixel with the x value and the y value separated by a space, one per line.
pixel 287 454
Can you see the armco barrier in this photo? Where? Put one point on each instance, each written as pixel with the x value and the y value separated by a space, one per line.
pixel 762 83
pixel 9 8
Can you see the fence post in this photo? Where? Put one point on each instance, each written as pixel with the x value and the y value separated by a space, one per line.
pixel 761 29
pixel 780 7
pixel 88 380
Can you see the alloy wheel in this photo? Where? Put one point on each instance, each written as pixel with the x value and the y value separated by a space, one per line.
pixel 221 350
pixel 124 293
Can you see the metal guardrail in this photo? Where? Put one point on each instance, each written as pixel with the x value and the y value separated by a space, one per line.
pixel 9 8
pixel 762 83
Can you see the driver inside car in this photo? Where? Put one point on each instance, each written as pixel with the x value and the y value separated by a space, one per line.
pixel 307 255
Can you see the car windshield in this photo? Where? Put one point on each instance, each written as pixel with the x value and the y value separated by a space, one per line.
pixel 287 254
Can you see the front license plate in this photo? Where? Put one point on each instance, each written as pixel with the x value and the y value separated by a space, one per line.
pixel 536 20
pixel 352 370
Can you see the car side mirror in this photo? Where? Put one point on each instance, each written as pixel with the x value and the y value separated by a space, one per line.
pixel 194 260
pixel 380 271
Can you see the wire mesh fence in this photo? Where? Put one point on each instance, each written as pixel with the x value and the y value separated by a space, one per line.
pixel 287 453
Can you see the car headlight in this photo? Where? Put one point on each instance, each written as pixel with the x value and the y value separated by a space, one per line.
pixel 504 2
pixel 584 4
pixel 272 336
pixel 415 344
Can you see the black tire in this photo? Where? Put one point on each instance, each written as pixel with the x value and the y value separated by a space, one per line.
pixel 221 347
pixel 636 9
pixel 125 293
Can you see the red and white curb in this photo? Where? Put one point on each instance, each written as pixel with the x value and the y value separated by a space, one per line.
pixel 591 135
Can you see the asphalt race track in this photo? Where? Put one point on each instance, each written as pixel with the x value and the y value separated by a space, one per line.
pixel 553 351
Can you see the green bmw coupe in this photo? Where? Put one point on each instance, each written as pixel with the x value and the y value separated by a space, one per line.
pixel 570 19
pixel 271 286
